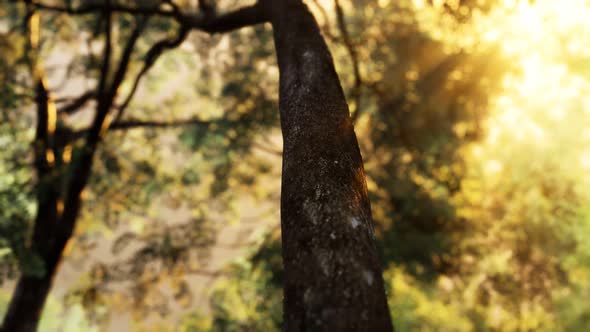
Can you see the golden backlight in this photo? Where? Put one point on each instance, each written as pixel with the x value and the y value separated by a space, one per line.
pixel 545 101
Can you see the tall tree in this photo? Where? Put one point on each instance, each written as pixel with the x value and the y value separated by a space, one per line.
pixel 333 278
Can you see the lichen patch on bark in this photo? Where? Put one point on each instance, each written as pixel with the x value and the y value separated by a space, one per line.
pixel 355 222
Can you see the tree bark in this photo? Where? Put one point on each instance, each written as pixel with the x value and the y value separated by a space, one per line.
pixel 333 279
pixel 27 303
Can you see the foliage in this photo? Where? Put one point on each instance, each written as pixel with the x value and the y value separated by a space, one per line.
pixel 16 202
pixel 246 305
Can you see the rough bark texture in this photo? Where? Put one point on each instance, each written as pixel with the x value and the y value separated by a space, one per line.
pixel 333 279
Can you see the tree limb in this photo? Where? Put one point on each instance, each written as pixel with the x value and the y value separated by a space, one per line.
pixel 243 17
pixel 151 56
pixel 104 71
pixel 224 23
pixel 130 124
pixel 126 57
pixel 76 103
pixel 82 166
pixel 175 9
pixel 267 149
pixel 246 16
pixel 93 8
pixel 356 90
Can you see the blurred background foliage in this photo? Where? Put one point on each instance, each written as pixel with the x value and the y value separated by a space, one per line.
pixel 473 119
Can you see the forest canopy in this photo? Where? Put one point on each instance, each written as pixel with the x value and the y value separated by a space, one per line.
pixel 472 120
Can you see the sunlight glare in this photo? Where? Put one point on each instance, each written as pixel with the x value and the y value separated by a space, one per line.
pixel 585 160
pixel 548 85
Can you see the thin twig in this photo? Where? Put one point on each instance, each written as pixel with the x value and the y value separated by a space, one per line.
pixel 75 104
pixel 358 81
pixel 130 124
pixel 150 59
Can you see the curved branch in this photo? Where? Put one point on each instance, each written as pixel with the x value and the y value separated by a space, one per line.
pixel 126 57
pixel 242 17
pixel 246 16
pixel 150 59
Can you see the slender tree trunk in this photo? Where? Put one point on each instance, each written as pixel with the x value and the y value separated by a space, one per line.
pixel 31 291
pixel 333 280
pixel 27 304
pixel 51 233
pixel 58 208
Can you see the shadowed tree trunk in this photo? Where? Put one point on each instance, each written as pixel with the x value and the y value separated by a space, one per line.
pixel 31 290
pixel 333 279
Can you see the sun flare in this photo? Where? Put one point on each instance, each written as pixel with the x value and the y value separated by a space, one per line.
pixel 544 100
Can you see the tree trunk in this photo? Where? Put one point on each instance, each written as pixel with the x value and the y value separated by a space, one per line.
pixel 30 294
pixel 53 228
pixel 333 279
pixel 27 304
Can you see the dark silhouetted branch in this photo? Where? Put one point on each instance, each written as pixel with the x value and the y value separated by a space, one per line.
pixel 175 9
pixel 75 104
pixel 93 8
pixel 246 16
pixel 356 89
pixel 150 59
pixel 130 124
pixel 243 17
pixel 126 57
pixel 106 63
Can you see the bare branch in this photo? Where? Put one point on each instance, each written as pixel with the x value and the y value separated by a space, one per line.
pixel 75 104
pixel 106 63
pixel 130 124
pixel 126 57
pixel 151 56
pixel 356 90
pixel 175 9
pixel 93 8
pixel 207 7
pixel 246 16
pixel 267 149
